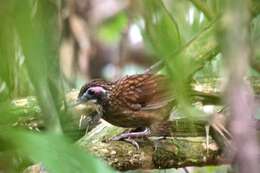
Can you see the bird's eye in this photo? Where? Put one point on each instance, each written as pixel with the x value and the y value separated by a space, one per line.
pixel 91 92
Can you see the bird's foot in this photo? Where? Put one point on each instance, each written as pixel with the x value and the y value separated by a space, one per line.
pixel 129 136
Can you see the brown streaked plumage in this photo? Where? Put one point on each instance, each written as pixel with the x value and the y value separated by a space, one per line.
pixel 136 101
pixel 143 100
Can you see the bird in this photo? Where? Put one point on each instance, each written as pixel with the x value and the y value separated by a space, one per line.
pixel 141 101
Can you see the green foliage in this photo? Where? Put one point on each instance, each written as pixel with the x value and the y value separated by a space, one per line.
pixel 182 37
pixel 212 169
pixel 181 33
pixel 55 152
pixel 29 46
pixel 110 31
pixel 161 28
pixel 255 41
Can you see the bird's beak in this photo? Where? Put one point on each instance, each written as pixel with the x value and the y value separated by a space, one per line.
pixel 77 102
pixel 82 100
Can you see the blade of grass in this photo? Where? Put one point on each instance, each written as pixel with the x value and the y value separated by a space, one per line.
pixel 55 152
pixel 40 59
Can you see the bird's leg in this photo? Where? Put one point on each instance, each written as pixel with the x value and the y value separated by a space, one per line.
pixel 129 136
pixel 126 135
pixel 133 142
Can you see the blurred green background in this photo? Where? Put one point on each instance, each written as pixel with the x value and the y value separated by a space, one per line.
pixel 48 47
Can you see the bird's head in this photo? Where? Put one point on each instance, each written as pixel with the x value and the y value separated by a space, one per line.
pixel 96 91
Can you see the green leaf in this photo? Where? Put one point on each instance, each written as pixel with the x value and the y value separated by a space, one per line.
pixel 161 28
pixel 55 152
pixel 110 31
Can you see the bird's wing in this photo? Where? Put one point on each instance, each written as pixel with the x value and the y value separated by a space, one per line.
pixel 144 91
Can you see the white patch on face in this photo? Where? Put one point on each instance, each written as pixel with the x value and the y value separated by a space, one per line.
pixel 93 101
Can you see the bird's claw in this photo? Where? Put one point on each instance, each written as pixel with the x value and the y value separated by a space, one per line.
pixel 133 142
pixel 128 137
pixel 129 140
